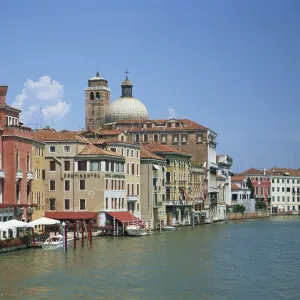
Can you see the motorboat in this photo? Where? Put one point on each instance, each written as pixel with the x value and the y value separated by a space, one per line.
pixel 56 242
pixel 135 230
pixel 169 228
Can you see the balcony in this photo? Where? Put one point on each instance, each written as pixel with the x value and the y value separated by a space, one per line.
pixel 29 175
pixel 182 183
pixel 2 174
pixel 179 203
pixel 132 198
pixel 157 189
pixel 19 174
pixel 157 204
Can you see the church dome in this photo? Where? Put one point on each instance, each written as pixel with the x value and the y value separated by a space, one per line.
pixel 126 107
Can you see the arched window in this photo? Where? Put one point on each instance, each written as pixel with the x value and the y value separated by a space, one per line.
pixel 168 194
pixel 28 162
pixel 17 159
pixel 181 195
pixel 91 96
pixel 168 177
pixel 97 96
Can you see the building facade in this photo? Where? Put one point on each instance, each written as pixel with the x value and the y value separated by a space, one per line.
pixel 285 190
pixel 153 189
pixel 179 204
pixel 38 182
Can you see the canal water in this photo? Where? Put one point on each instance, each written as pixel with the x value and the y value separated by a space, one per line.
pixel 258 259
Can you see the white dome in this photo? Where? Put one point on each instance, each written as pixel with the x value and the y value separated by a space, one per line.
pixel 126 108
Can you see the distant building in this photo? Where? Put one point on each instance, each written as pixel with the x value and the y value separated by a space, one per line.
pixel 153 188
pixel 285 185
pixel 261 183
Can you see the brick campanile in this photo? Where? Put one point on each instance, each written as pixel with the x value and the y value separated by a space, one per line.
pixel 97 100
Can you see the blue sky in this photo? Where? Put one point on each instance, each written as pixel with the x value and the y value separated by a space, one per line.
pixel 233 66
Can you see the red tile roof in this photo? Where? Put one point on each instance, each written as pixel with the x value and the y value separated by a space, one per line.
pixel 93 150
pixel 283 172
pixel 252 171
pixel 187 125
pixel 147 154
pixel 52 135
pixel 160 148
pixel 235 187
pixel 98 141
pixel 122 216
pixel 237 178
pixel 109 131
pixel 71 215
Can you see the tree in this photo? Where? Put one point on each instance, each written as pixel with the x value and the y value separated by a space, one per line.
pixel 238 208
pixel 260 205
pixel 251 187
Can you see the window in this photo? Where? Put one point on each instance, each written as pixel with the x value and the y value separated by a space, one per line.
pixel 137 154
pixel 106 184
pixel 67 185
pixel 82 166
pixel 122 202
pixel 52 166
pixel 82 204
pixel 123 185
pixel 97 96
pixel 137 169
pixel 132 153
pixel 95 165
pixel 199 138
pixel 43 174
pixel 137 189
pixel 122 151
pixel 112 167
pixel 113 149
pixel 67 149
pixel 137 206
pixel 67 204
pixel 137 138
pixel 91 96
pixel 145 138
pixel 132 169
pixel 106 203
pixel 52 185
pixel 52 204
pixel 163 138
pixel 184 138
pixel 155 138
pixel 128 189
pixel 128 168
pixel 175 138
pixel 52 149
pixel 132 189
pixel 127 152
pixel 67 165
pixel 107 166
pixel 82 184
pixel 28 162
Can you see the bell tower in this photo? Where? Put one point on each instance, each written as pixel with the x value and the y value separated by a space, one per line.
pixel 97 100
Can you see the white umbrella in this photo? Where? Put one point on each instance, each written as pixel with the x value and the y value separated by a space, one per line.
pixel 13 224
pixel 43 221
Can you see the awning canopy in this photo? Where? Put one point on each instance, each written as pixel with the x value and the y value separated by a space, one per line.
pixel 13 224
pixel 122 216
pixel 71 215
pixel 44 221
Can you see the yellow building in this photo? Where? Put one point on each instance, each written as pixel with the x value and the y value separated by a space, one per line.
pixel 38 184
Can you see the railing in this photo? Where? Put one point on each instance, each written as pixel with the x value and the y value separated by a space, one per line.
pixel 179 203
pixel 19 174
pixel 132 197
pixel 29 175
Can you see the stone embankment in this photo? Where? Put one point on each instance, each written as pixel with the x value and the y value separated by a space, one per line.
pixel 242 216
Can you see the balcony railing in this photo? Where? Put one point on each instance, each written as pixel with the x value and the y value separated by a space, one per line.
pixel 29 175
pixel 19 174
pixel 157 204
pixel 132 198
pixel 2 174
pixel 182 182
pixel 179 203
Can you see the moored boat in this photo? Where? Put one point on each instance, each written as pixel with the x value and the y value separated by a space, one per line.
pixel 56 242
pixel 169 228
pixel 135 230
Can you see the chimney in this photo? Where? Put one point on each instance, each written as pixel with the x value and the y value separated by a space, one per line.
pixel 264 171
pixel 3 91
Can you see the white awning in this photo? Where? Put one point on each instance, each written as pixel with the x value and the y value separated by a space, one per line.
pixel 156 167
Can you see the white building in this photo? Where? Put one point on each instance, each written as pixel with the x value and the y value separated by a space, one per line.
pixel 285 190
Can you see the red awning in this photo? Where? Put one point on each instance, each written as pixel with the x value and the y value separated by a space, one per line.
pixel 71 215
pixel 122 216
